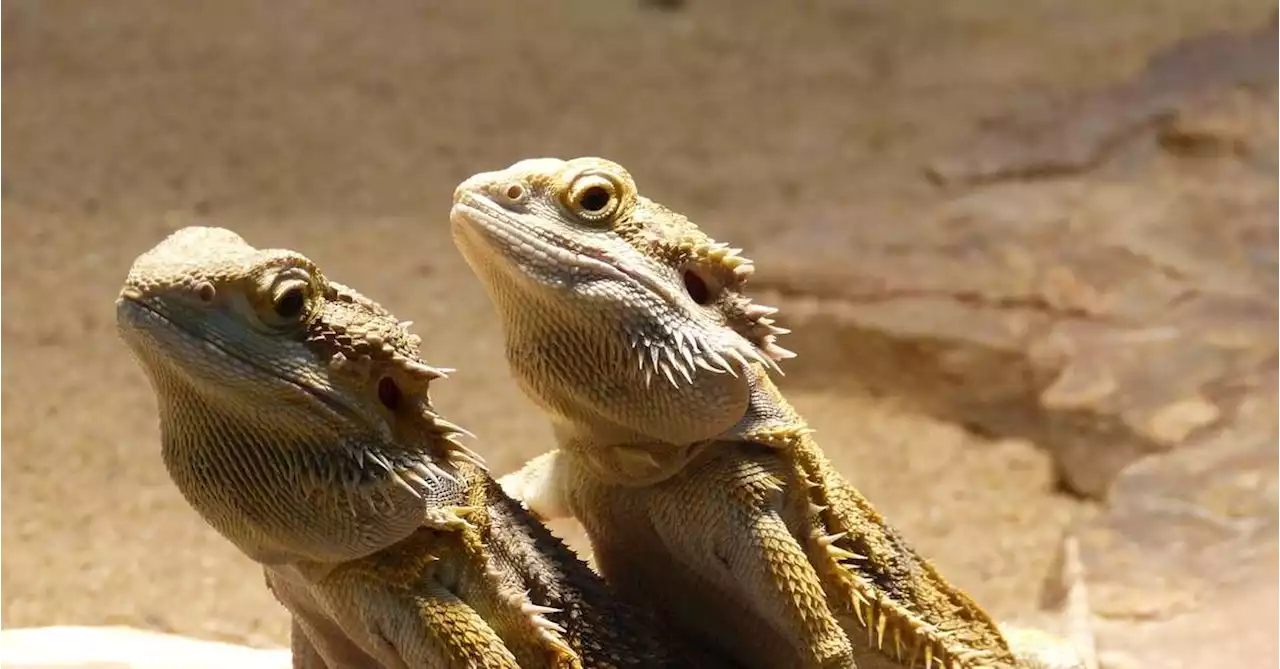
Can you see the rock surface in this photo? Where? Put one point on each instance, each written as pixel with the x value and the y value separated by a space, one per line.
pixel 1107 314
pixel 1181 568
pixel 1108 290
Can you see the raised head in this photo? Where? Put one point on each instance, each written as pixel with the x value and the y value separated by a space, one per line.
pixel 622 318
pixel 294 412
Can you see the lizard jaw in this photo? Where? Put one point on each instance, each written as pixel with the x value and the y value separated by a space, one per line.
pixel 662 349
pixel 150 332
pixel 539 251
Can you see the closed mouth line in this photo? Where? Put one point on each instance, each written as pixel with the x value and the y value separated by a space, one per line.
pixel 497 222
pixel 319 395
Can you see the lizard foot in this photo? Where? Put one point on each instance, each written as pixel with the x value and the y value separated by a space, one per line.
pixel 449 518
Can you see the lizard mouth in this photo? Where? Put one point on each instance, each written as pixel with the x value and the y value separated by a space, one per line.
pixel 137 312
pixel 660 345
pixel 540 245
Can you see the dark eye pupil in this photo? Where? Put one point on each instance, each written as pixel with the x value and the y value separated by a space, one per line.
pixel 290 304
pixel 594 199
pixel 696 287
pixel 389 393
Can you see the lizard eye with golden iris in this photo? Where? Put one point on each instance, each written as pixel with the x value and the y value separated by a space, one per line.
pixel 697 288
pixel 289 296
pixel 593 198
pixel 290 303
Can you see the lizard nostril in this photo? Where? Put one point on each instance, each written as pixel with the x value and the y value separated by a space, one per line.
pixel 206 292
pixel 389 393
pixel 514 192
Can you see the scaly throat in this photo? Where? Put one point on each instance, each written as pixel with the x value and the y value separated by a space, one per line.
pixel 252 474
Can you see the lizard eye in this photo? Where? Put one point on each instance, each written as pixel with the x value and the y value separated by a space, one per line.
pixel 290 303
pixel 288 296
pixel 593 198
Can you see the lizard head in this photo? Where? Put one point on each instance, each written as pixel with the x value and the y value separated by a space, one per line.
pixel 621 316
pixel 283 397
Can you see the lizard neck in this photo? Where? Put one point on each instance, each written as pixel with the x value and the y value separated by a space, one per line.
pixel 633 457
pixel 626 461
pixel 605 390
pixel 280 489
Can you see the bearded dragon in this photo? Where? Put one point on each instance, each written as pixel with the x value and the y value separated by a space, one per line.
pixel 295 418
pixel 701 489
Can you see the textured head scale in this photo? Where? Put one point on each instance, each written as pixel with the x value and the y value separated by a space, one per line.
pixel 706 267
pixel 598 285
pixel 288 391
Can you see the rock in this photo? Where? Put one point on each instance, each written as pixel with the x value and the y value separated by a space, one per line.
pixel 1181 566
pixel 1106 315
pixel 1078 134
pixel 1100 279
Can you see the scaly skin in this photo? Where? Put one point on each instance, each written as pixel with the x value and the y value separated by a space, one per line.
pixel 700 487
pixel 295 418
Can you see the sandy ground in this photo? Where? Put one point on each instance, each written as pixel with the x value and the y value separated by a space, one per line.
pixel 340 130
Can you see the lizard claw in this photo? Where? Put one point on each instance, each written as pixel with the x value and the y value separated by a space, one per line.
pixel 449 518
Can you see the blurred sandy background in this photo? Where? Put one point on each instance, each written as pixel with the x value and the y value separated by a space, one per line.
pixel 340 129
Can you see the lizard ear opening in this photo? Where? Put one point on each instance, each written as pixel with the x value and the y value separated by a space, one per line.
pixel 389 393
pixel 769 419
pixel 696 287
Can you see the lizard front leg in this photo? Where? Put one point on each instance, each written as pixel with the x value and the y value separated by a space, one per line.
pixel 886 593
pixel 420 625
pixel 439 599
pixel 303 650
pixel 317 640
pixel 719 527
pixel 540 486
